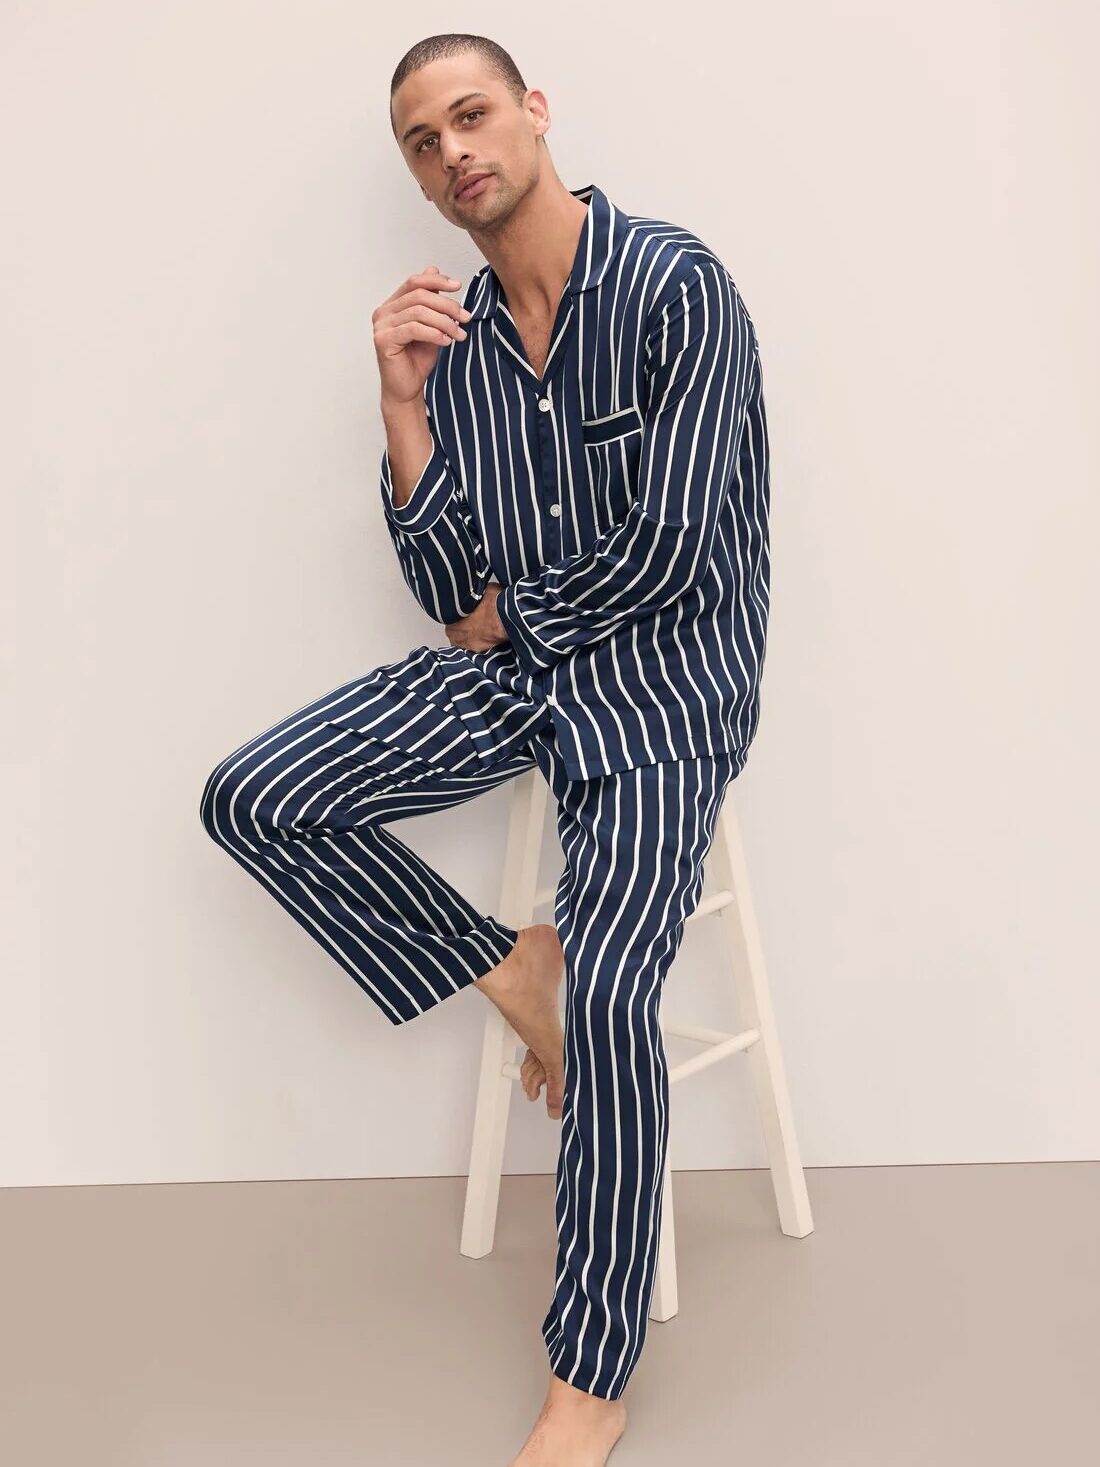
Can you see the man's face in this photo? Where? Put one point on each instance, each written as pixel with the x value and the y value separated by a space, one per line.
pixel 462 121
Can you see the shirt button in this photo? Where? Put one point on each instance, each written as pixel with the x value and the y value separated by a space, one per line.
pixel 555 509
pixel 544 404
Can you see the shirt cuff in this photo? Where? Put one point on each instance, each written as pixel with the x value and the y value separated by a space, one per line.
pixel 429 497
pixel 535 655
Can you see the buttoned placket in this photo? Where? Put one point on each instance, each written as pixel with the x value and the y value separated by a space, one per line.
pixel 549 489
pixel 547 411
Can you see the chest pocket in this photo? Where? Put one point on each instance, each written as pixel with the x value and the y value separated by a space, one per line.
pixel 612 448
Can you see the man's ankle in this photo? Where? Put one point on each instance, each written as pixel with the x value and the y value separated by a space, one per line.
pixel 499 976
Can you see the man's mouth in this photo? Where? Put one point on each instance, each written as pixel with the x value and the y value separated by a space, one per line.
pixel 472 185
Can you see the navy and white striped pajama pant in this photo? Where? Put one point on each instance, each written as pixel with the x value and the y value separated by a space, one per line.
pixel 305 808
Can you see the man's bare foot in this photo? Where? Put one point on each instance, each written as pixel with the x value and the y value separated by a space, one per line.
pixel 573 1429
pixel 524 988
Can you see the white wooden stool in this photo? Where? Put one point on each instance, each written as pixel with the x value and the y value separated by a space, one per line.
pixel 520 898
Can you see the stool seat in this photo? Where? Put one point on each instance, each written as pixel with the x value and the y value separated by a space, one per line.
pixel 726 895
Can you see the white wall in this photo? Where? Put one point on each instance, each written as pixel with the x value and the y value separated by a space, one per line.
pixel 201 206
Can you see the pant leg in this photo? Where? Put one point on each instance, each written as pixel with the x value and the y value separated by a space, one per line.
pixel 634 845
pixel 303 808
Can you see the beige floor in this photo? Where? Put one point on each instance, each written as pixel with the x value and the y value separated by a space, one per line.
pixel 946 1316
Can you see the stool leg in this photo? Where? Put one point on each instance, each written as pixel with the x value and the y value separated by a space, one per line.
pixel 494 1096
pixel 753 999
pixel 665 1301
pixel 499 1046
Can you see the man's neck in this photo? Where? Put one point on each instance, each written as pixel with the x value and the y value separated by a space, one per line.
pixel 533 253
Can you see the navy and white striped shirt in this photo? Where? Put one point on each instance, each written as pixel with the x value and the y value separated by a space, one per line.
pixel 621 499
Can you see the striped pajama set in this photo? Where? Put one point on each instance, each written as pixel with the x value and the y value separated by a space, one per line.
pixel 621 501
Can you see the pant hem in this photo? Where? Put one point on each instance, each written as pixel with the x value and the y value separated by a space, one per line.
pixel 562 1369
pixel 484 946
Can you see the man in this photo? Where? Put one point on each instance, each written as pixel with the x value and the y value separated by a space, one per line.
pixel 575 482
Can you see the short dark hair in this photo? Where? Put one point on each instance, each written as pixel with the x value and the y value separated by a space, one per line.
pixel 434 48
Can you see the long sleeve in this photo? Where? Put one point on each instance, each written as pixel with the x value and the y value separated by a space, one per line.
pixel 702 352
pixel 438 547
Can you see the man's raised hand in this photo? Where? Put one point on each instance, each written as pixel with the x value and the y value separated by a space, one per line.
pixel 409 328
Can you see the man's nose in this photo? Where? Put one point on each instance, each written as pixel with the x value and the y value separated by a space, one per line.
pixel 456 161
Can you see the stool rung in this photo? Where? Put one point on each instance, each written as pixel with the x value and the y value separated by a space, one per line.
pixel 711 904
pixel 710 1036
pixel 720 1046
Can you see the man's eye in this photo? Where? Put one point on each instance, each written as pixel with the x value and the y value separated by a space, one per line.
pixel 477 112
